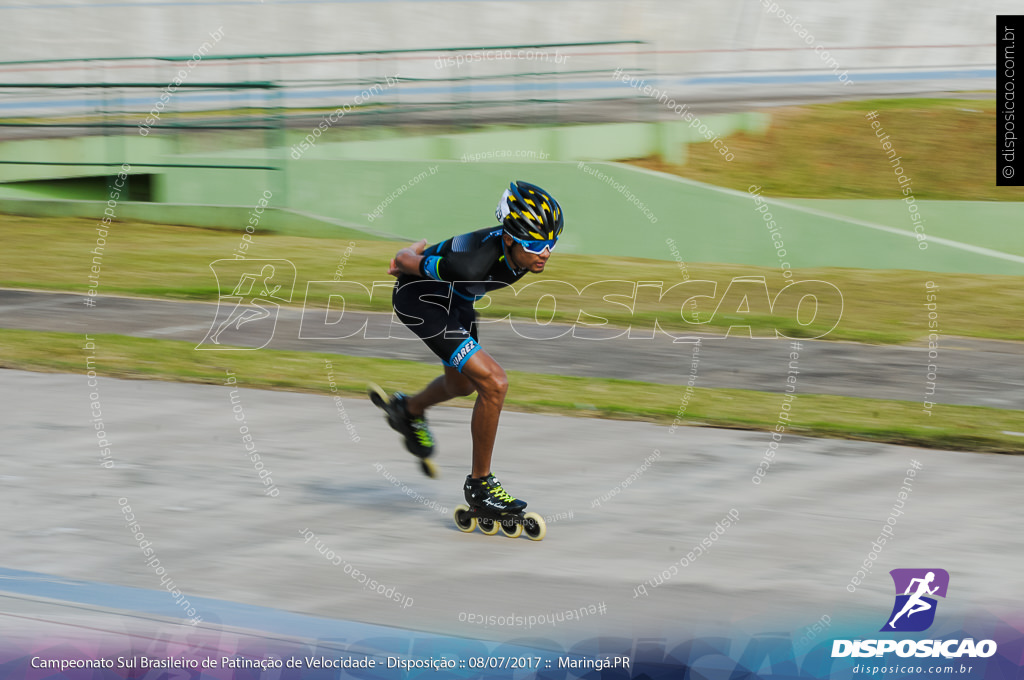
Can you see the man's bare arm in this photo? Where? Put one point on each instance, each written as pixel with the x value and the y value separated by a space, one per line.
pixel 407 260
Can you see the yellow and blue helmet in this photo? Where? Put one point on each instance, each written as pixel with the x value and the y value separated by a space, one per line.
pixel 529 213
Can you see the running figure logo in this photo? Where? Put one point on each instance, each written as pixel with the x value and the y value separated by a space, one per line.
pixel 249 293
pixel 914 610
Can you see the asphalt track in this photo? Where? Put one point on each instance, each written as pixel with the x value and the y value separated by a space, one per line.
pixel 972 372
pixel 179 461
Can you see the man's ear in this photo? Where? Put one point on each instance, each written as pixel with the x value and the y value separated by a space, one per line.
pixel 508 240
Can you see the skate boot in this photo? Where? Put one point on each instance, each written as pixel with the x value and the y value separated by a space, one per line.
pixel 487 493
pixel 418 438
pixel 492 508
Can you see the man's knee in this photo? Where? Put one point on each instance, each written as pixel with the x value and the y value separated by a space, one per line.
pixel 486 375
pixel 495 382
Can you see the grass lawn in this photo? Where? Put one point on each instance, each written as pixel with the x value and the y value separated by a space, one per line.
pixel 948 147
pixel 898 422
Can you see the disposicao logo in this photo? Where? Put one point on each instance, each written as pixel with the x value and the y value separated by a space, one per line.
pixel 923 583
pixel 913 612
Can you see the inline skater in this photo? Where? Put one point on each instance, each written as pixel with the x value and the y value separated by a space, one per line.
pixel 434 296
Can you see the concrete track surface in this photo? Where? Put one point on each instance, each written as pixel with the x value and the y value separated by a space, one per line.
pixel 614 521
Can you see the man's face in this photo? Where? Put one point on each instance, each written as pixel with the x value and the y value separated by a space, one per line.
pixel 521 259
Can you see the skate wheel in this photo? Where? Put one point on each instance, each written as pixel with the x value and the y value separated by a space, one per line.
pixel 377 395
pixel 429 468
pixel 488 526
pixel 511 528
pixel 534 526
pixel 464 520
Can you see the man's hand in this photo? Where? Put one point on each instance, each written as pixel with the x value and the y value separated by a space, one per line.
pixel 407 260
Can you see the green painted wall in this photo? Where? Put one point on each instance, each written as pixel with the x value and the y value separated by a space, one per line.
pixel 211 217
pixel 995 225
pixel 707 224
pixel 609 141
pixel 75 151
pixel 421 188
